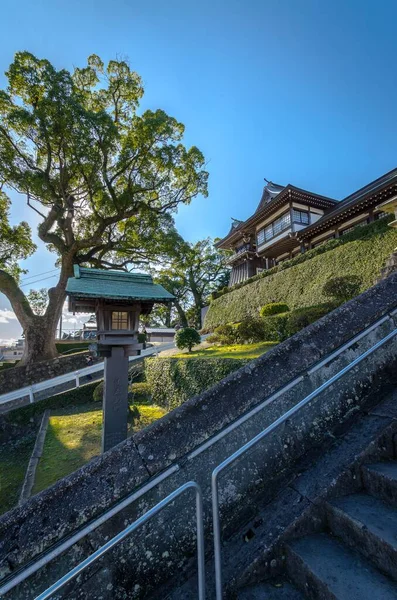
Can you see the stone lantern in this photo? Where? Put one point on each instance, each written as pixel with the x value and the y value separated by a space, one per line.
pixel 118 300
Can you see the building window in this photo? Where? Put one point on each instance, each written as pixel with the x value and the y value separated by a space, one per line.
pixel 300 216
pixel 275 228
pixel 381 215
pixel 268 232
pixel 260 238
pixel 119 320
pixel 349 229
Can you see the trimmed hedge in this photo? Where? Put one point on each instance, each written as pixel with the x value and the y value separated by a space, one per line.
pixel 63 347
pixel 274 308
pixel 174 380
pixel 361 253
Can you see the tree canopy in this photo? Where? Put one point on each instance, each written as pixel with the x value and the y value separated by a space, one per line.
pixel 193 272
pixel 103 177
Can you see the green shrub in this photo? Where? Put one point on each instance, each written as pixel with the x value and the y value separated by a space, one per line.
pixel 141 392
pixel 225 334
pixel 98 393
pixel 7 365
pixel 142 337
pixel 302 317
pixel 275 327
pixel 187 338
pixel 213 339
pixel 280 327
pixel 175 380
pixel 134 414
pixel 300 281
pixel 273 308
pixel 72 347
pixel 342 288
pixel 250 331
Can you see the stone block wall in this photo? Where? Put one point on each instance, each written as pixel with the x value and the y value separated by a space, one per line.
pixel 18 377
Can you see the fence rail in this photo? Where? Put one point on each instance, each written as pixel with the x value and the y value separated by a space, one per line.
pixel 74 376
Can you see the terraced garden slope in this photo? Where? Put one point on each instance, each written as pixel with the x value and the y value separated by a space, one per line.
pixel 363 252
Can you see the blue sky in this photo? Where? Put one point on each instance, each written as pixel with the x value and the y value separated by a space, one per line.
pixel 297 91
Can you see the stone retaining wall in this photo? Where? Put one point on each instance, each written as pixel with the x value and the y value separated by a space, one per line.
pixel 18 377
pixel 182 440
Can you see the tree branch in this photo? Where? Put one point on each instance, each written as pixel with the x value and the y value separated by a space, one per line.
pixel 18 300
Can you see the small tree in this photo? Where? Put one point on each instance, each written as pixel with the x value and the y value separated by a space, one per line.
pixel 342 288
pixel 187 338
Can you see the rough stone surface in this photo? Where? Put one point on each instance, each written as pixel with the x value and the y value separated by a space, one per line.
pixel 325 569
pixel 168 544
pixel 380 480
pixel 364 522
pixel 298 509
pixel 268 591
pixel 18 377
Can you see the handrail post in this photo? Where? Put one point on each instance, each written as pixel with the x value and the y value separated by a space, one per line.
pixel 217 535
pixel 77 375
pixel 133 527
pixel 31 395
pixel 200 543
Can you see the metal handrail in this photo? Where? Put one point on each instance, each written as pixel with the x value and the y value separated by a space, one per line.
pixel 260 436
pixel 131 528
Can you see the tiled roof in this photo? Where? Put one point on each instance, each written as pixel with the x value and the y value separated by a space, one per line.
pixel 117 285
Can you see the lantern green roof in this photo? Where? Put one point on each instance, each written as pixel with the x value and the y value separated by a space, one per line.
pixel 115 285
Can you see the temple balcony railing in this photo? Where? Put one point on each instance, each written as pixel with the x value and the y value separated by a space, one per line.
pixel 242 254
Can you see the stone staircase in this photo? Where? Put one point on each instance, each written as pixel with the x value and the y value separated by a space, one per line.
pixel 355 559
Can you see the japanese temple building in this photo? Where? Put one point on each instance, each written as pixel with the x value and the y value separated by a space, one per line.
pixel 289 220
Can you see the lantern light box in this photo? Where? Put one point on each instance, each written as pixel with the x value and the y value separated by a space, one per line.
pixel 118 300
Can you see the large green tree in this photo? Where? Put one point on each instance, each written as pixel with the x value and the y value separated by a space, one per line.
pixel 103 178
pixel 192 274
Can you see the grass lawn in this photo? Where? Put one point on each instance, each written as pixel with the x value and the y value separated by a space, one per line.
pixel 74 437
pixel 237 351
pixel 13 464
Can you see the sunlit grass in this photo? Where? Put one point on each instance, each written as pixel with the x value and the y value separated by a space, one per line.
pixel 14 460
pixel 74 437
pixel 248 351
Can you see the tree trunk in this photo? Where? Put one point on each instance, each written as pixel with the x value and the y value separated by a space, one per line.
pixel 40 340
pixel 168 316
pixel 39 331
pixel 181 314
pixel 198 301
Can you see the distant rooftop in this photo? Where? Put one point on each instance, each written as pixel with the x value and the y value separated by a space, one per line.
pixel 115 285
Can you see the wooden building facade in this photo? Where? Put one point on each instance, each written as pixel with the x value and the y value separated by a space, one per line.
pixel 290 220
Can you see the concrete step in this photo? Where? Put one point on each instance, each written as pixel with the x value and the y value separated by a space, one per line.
pixel 380 480
pixel 369 525
pixel 270 591
pixel 324 569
